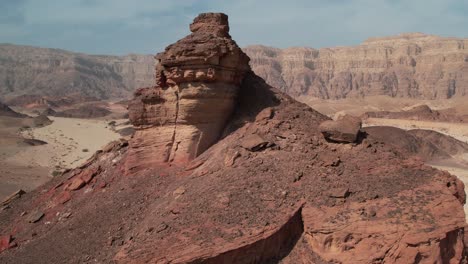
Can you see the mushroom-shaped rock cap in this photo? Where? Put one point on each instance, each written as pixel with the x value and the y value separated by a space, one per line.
pixel 209 51
pixel 214 23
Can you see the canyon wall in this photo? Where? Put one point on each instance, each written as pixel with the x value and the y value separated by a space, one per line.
pixel 409 65
pixel 53 72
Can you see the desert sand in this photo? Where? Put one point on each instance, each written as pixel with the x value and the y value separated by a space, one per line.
pixel 70 142
pixel 15 175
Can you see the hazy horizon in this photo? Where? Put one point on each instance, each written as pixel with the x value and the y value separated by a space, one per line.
pixel 121 27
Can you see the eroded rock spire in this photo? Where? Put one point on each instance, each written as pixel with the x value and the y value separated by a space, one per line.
pixel 197 81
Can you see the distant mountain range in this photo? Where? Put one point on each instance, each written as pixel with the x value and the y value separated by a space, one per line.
pixel 52 72
pixel 409 65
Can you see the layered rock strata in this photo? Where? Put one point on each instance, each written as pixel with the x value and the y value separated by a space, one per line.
pixel 197 81
pixel 411 65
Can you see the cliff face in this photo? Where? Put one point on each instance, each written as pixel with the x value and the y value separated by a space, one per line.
pixel 409 65
pixel 52 72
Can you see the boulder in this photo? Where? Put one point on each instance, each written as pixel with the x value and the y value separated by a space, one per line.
pixel 344 130
pixel 254 142
pixel 36 217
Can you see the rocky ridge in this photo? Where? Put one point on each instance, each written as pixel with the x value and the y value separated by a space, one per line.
pixel 408 65
pixel 5 110
pixel 422 113
pixel 271 188
pixel 85 111
pixel 427 144
pixel 28 70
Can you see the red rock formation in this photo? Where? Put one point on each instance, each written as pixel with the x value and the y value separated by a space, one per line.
pixel 272 190
pixel 197 80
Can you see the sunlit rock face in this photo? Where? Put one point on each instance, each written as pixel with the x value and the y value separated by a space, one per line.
pixel 410 65
pixel 197 81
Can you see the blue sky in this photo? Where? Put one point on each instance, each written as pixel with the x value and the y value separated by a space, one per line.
pixel 147 26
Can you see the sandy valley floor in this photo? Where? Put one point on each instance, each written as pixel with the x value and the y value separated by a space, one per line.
pixel 70 142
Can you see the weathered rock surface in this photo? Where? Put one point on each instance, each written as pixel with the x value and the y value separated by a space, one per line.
pixel 300 200
pixel 197 80
pixel 409 65
pixel 52 72
pixel 343 130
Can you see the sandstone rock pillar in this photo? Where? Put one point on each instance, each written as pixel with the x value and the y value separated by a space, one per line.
pixel 197 81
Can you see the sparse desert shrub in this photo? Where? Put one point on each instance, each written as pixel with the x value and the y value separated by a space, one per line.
pixel 85 150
